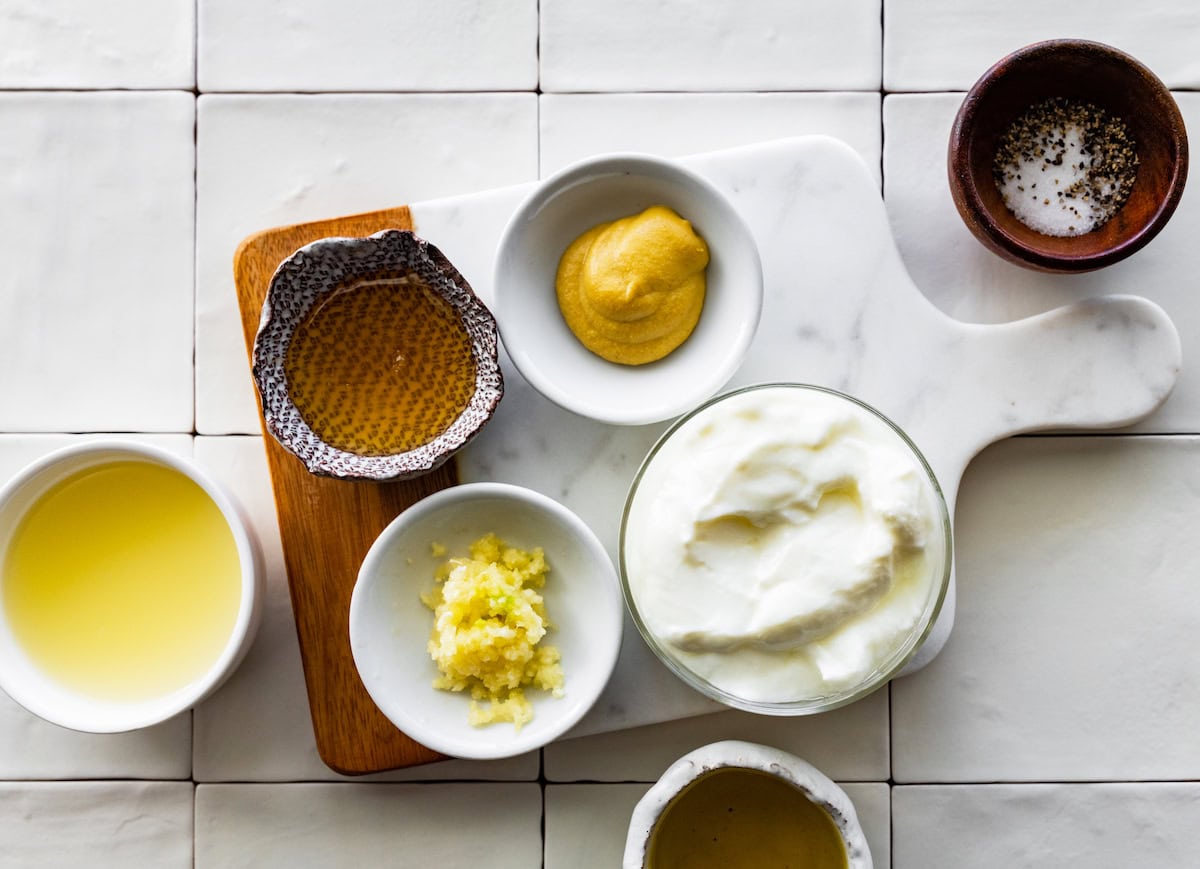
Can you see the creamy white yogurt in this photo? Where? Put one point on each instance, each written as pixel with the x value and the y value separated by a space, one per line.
pixel 784 543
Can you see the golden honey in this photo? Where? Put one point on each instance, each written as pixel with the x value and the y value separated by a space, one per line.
pixel 380 367
pixel 734 818
pixel 123 581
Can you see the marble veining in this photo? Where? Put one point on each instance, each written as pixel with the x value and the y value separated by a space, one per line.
pixel 839 310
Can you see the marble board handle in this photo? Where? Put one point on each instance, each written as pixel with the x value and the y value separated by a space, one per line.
pixel 1100 363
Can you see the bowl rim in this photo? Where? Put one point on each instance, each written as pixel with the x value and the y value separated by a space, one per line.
pixel 604 653
pixel 121 716
pixel 324 459
pixel 742 755
pixel 880 676
pixel 970 203
pixel 624 163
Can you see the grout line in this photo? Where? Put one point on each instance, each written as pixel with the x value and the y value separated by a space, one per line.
pixel 195 264
pixel 891 729
pixel 537 90
pixel 196 46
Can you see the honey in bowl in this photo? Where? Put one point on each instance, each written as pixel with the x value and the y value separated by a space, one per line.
pixel 123 581
pixel 374 359
pixel 381 366
pixel 733 817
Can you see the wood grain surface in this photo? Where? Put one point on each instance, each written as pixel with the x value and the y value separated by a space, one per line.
pixel 327 526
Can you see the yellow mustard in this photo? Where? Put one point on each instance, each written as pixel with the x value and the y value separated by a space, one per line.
pixel 632 290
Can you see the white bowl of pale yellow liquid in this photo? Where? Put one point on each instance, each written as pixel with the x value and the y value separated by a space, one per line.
pixel 130 586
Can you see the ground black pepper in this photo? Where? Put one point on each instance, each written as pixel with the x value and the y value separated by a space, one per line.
pixel 1089 151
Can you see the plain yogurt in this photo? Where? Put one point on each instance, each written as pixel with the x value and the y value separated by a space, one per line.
pixel 785 544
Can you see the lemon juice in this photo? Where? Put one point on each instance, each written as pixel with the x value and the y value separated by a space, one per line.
pixel 123 581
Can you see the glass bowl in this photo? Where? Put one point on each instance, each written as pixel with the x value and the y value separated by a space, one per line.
pixel 653 479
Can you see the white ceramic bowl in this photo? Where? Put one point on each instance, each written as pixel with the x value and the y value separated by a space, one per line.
pixel 537 338
pixel 23 680
pixel 734 754
pixel 390 626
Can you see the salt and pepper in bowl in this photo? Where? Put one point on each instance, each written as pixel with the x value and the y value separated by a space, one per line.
pixel 1067 156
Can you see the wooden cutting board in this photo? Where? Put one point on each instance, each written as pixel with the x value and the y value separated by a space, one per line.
pixel 327 526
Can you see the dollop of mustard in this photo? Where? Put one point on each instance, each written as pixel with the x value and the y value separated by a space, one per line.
pixel 632 290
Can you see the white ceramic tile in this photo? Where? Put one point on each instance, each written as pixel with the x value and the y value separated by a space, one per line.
pixel 678 45
pixel 1073 653
pixel 96 824
pixel 257 727
pixel 586 824
pixel 873 803
pixel 970 283
pixel 1102 826
pixel 411 45
pixel 31 748
pixel 493 825
pixel 96 221
pixel 947 44
pixel 848 744
pixel 574 126
pixel 82 44
pixel 273 160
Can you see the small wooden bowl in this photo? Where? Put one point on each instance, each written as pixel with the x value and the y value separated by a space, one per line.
pixel 1088 72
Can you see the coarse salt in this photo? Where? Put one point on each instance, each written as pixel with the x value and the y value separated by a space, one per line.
pixel 1064 168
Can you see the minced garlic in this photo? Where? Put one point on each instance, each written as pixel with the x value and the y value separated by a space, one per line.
pixel 489 618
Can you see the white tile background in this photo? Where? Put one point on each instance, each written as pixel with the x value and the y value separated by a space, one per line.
pixel 140 140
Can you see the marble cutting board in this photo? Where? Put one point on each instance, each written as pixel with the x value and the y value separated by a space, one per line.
pixel 839 311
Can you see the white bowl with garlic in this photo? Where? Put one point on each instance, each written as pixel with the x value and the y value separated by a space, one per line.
pixel 486 620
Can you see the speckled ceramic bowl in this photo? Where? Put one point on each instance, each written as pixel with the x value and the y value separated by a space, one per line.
pixel 317 273
pixel 735 755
